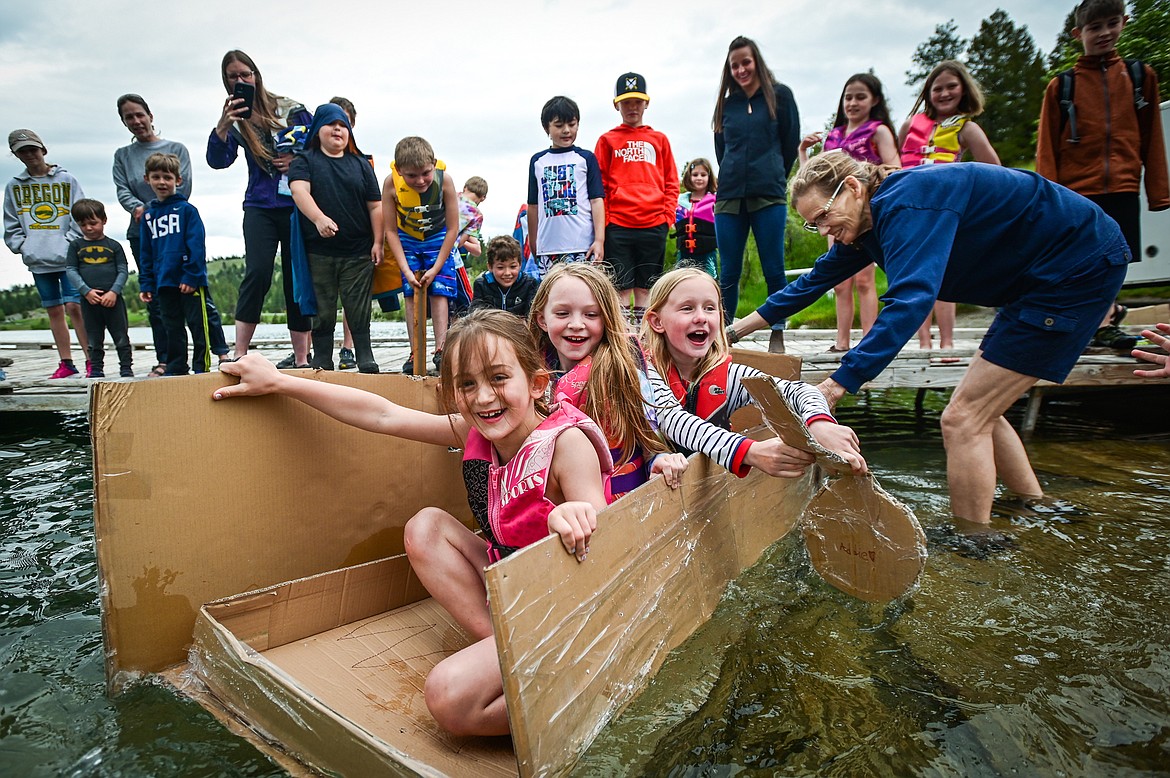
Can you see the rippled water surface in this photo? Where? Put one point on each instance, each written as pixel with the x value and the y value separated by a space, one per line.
pixel 1050 656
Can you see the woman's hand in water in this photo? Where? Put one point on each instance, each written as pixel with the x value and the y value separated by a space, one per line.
pixel 257 377
pixel 671 466
pixel 575 523
pixel 840 440
pixel 778 459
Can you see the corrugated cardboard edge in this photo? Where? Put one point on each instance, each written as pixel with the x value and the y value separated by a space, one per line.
pixel 578 641
pixel 280 711
pixel 184 512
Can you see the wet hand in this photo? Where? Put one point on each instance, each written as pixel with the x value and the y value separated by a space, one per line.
pixel 778 459
pixel 671 466
pixel 1161 338
pixel 575 523
pixel 840 440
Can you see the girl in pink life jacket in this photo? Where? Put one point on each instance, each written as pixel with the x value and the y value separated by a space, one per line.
pixel 694 220
pixel 697 387
pixel 941 133
pixel 576 323
pixel 863 130
pixel 531 470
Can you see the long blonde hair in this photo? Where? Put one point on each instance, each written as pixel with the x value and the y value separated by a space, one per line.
pixel 613 395
pixel 656 343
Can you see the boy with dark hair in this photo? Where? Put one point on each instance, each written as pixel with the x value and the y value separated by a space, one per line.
pixel 174 268
pixel 641 187
pixel 340 208
pixel 566 198
pixel 96 266
pixel 505 286
pixel 1100 125
pixel 38 227
pixel 421 199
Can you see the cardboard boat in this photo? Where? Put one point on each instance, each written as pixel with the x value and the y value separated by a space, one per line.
pixel 250 554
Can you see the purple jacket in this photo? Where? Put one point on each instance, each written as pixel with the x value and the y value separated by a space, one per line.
pixel 262 178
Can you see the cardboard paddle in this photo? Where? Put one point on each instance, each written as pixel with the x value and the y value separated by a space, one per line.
pixel 860 539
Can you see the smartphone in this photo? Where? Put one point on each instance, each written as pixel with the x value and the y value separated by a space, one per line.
pixel 246 91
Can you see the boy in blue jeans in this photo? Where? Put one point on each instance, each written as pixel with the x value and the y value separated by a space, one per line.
pixel 420 198
pixel 39 227
pixel 174 269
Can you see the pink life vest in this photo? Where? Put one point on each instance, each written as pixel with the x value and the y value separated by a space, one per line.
pixel 858 144
pixel 508 501
pixel 929 142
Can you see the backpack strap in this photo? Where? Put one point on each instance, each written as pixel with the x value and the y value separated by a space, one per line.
pixel 1137 74
pixel 1068 110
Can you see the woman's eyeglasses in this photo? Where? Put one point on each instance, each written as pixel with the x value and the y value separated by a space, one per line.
pixel 816 224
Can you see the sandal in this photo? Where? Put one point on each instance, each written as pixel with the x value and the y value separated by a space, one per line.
pixel 834 350
pixel 1118 315
pixel 158 371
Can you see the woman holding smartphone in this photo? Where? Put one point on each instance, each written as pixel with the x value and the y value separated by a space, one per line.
pixel 253 118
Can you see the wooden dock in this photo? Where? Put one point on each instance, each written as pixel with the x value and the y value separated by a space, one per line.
pixel 28 387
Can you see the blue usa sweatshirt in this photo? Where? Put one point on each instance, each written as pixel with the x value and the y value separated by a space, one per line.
pixel 174 248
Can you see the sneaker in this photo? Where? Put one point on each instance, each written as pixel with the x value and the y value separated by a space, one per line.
pixel 94 372
pixel 1115 338
pixel 346 360
pixel 288 363
pixel 408 365
pixel 64 370
pixel 88 367
pixel 126 373
pixel 438 359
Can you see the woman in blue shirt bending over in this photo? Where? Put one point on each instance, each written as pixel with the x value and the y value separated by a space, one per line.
pixel 1049 259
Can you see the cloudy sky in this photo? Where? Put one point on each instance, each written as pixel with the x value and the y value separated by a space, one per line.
pixel 471 77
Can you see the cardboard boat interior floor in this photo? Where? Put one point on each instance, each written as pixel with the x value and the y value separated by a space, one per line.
pixel 250 553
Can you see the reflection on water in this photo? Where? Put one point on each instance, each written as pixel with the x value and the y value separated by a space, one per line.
pixel 1050 657
pixel 54 716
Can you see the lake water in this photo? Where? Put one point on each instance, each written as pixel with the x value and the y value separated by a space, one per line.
pixel 1050 656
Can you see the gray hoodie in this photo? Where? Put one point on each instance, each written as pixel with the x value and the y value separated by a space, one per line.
pixel 37 223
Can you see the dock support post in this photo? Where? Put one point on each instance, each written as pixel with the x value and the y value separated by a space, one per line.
pixel 1032 412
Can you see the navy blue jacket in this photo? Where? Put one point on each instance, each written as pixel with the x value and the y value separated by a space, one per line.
pixel 970 233
pixel 755 151
pixel 515 299
pixel 174 246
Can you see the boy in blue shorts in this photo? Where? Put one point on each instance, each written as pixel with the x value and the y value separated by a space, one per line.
pixel 420 198
pixel 173 269
pixel 566 201
pixel 38 226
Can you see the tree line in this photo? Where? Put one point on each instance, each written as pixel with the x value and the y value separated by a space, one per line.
pixel 1009 66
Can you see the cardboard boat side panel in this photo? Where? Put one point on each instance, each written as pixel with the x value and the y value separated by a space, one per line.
pixel 578 641
pixel 197 500
pixel 347 700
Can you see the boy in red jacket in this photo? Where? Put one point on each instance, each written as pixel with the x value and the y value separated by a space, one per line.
pixel 641 192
